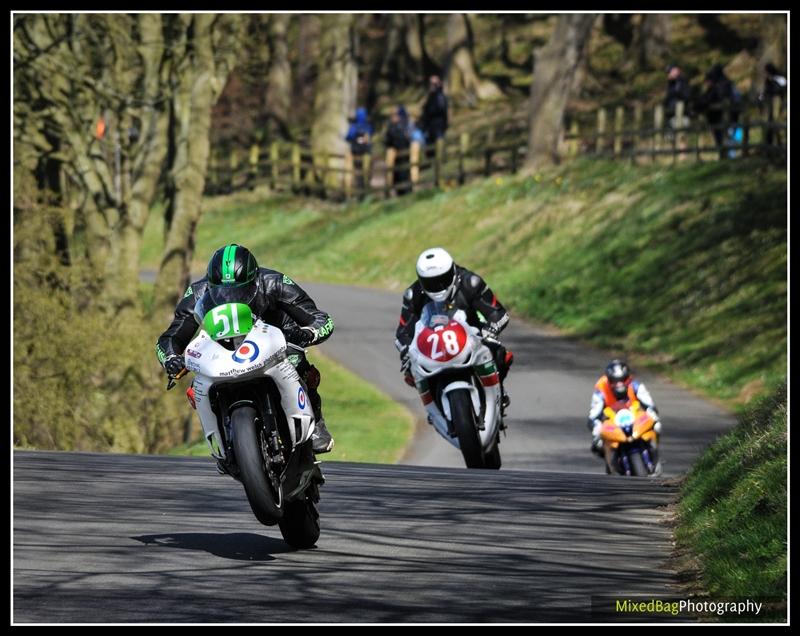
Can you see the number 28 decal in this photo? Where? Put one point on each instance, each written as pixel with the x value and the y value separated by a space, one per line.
pixel 442 345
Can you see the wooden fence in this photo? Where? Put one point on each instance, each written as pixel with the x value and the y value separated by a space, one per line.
pixel 620 132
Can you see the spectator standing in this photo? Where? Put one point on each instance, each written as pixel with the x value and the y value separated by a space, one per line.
pixel 398 136
pixel 360 137
pixel 722 104
pixel 434 112
pixel 775 88
pixel 677 91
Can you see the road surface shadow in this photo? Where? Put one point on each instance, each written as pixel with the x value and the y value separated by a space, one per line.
pixel 241 546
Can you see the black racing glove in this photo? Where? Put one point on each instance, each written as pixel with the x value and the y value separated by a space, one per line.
pixel 405 360
pixel 306 337
pixel 174 364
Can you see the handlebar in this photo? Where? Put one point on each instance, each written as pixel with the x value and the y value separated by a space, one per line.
pixel 171 378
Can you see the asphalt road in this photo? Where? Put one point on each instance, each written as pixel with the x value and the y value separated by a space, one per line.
pixel 137 539
pixel 550 384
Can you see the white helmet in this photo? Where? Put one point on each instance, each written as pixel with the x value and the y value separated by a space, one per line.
pixel 437 273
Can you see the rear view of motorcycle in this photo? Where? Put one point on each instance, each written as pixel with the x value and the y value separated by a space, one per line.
pixel 256 417
pixel 458 383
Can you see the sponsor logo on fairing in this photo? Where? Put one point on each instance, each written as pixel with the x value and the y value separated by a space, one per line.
pixel 193 353
pixel 247 352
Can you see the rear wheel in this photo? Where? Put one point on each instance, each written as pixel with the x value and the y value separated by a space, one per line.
pixel 463 418
pixel 247 450
pixel 300 523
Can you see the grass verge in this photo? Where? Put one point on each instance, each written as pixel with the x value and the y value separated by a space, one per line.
pixel 732 513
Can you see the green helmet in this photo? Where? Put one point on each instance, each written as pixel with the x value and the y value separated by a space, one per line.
pixel 233 274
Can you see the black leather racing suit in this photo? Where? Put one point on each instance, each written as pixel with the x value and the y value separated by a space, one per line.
pixel 279 302
pixel 474 297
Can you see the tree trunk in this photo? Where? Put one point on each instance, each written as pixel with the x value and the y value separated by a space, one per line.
pixel 555 66
pixel 335 97
pixel 200 75
pixel 423 65
pixel 461 79
pixel 653 39
pixel 96 66
pixel 307 45
pixel 279 78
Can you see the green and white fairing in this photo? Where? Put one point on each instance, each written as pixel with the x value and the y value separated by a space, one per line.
pixel 260 351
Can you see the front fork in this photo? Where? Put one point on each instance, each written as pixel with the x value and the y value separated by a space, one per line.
pixel 489 377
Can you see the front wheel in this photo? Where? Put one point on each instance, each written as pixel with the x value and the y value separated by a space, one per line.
pixel 247 450
pixel 463 418
pixel 493 458
pixel 300 523
pixel 638 468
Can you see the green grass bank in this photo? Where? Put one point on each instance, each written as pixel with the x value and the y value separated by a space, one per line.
pixel 732 512
pixel 681 268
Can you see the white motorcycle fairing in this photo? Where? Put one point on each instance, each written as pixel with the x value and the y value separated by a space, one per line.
pixel 474 353
pixel 262 353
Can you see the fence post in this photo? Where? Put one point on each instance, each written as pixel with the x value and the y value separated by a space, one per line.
pixel 252 174
pixel 438 177
pixel 658 126
pixel 572 145
pixel 601 129
pixel 774 137
pixel 296 167
pixel 413 157
pixel 321 169
pixel 619 115
pixel 234 166
pixel 391 158
pixel 273 165
pixel 487 153
pixel 366 171
pixel 678 134
pixel 463 149
pixel 637 125
pixel 746 133
pixel 348 175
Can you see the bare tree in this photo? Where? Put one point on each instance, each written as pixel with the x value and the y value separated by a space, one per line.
pixel 652 39
pixel 555 66
pixel 205 49
pixel 415 46
pixel 335 95
pixel 279 77
pixel 90 89
pixel 461 78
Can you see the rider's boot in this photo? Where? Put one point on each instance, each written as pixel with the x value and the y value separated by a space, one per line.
pixel 321 439
pixel 322 442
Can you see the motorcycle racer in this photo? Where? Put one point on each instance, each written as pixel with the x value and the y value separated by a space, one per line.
pixel 233 275
pixel 617 383
pixel 440 279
